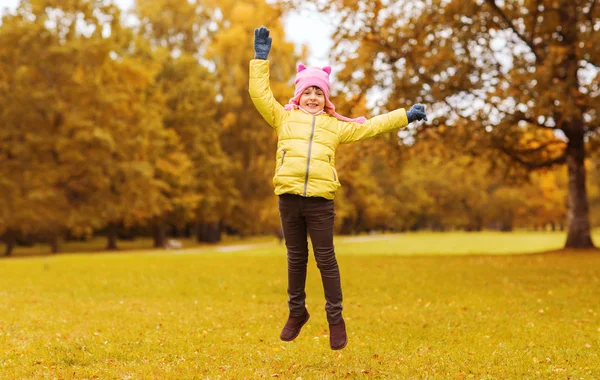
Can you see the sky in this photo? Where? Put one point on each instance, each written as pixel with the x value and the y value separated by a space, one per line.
pixel 303 27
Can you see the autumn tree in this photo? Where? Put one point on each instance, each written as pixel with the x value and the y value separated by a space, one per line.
pixel 504 195
pixel 34 118
pixel 246 138
pixel 178 33
pixel 506 68
pixel 81 130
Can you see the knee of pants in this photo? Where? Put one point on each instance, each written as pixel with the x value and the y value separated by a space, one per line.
pixel 326 261
pixel 296 247
pixel 297 261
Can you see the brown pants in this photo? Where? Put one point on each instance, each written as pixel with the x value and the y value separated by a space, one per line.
pixel 301 216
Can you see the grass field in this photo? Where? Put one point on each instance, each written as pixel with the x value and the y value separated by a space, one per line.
pixel 417 306
pixel 410 243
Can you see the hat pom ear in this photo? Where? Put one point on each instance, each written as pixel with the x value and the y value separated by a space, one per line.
pixel 301 67
pixel 327 69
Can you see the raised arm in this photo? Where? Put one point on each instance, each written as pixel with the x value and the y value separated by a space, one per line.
pixel 351 132
pixel 259 88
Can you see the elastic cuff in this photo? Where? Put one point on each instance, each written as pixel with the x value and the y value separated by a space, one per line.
pixel 257 56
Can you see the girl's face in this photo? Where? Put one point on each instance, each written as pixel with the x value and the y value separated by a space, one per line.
pixel 312 100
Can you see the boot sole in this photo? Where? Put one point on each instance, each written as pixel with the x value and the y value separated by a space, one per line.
pixel 339 348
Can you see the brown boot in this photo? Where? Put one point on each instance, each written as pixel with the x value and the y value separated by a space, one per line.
pixel 337 336
pixel 293 326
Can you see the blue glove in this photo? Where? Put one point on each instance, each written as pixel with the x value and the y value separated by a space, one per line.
pixel 262 43
pixel 416 112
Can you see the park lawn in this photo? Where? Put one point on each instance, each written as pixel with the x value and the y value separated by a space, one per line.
pixel 431 243
pixel 213 314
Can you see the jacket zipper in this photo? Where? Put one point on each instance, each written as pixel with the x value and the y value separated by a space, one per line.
pixel 332 170
pixel 282 159
pixel 312 135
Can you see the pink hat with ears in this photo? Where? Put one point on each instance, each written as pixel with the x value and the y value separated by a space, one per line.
pixel 314 76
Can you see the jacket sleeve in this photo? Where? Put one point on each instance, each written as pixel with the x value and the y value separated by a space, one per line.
pixel 261 94
pixel 351 132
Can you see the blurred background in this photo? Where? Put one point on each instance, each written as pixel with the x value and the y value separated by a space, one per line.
pixel 131 119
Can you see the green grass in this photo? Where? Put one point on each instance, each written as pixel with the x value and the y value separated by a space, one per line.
pixel 98 244
pixel 407 243
pixel 410 312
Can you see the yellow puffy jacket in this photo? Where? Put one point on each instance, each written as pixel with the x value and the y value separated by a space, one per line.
pixel 306 143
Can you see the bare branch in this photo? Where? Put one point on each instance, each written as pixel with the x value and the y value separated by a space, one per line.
pixel 497 9
pixel 593 129
pixel 514 154
pixel 537 149
pixel 534 23
pixel 537 165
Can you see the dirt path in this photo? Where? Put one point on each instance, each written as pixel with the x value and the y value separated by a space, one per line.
pixel 243 247
pixel 358 239
pixel 222 248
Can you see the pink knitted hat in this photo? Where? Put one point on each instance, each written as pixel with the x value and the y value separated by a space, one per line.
pixel 313 76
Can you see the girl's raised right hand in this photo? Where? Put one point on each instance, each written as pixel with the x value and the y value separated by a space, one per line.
pixel 262 43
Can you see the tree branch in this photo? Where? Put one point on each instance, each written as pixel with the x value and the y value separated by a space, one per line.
pixel 430 81
pixel 497 9
pixel 534 23
pixel 515 155
pixel 537 149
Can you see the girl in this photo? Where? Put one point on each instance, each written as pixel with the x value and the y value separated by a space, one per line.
pixel 309 131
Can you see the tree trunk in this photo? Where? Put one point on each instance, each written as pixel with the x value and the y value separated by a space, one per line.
pixel 10 238
pixel 506 225
pixel 209 232
pixel 54 243
pixel 357 227
pixel 478 223
pixel 279 234
pixel 159 234
pixel 578 218
pixel 346 228
pixel 177 232
pixel 112 237
pixel 188 232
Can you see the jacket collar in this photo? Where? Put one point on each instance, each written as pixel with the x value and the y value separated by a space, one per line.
pixel 305 111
